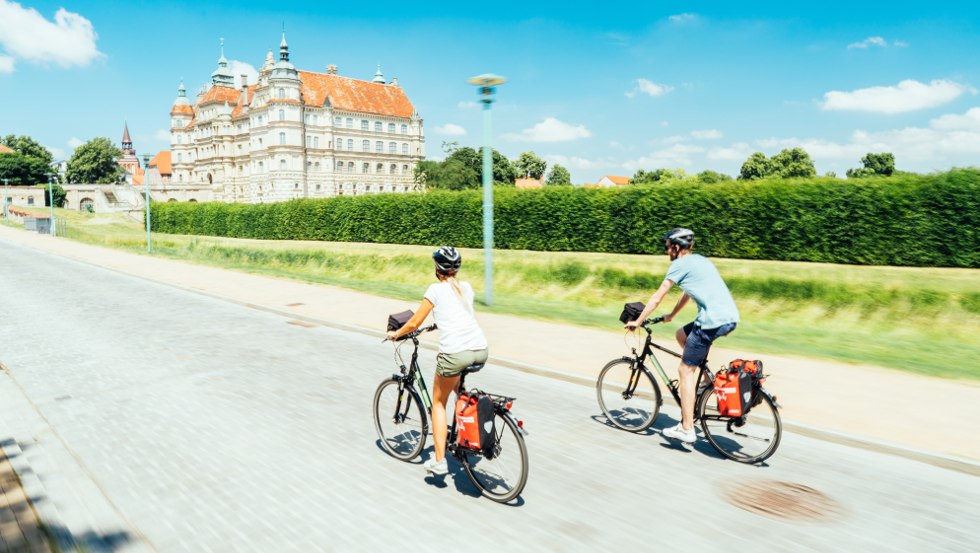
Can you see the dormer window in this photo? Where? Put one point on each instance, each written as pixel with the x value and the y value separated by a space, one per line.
pixel 282 94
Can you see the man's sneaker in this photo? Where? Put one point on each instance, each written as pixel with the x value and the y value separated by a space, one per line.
pixel 438 469
pixel 678 433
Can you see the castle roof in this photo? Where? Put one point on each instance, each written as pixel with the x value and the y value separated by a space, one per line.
pixel 354 95
pixel 162 162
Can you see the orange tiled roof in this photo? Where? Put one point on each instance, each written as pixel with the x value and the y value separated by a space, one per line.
pixel 354 95
pixel 138 176
pixel 182 110
pixel 162 162
pixel 528 183
pixel 220 95
pixel 5 150
pixel 243 99
pixel 617 180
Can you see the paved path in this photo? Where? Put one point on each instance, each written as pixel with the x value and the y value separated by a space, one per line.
pixel 155 419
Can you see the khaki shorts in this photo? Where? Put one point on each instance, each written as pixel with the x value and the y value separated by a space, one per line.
pixel 451 364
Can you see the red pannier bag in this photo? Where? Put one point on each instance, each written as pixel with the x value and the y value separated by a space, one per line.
pixel 474 421
pixel 737 387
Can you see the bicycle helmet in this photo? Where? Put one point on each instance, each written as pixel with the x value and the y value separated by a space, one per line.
pixel 447 260
pixel 681 236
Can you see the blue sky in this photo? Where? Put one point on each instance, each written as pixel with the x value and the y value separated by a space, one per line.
pixel 603 90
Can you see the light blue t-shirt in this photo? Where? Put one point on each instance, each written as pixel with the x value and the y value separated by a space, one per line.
pixel 699 279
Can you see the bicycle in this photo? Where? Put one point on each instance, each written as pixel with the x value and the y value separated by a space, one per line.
pixel 402 426
pixel 630 398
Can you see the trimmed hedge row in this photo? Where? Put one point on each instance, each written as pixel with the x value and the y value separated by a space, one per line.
pixel 924 220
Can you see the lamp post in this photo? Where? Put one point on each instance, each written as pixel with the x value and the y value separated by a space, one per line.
pixel 146 187
pixel 52 230
pixel 5 219
pixel 487 84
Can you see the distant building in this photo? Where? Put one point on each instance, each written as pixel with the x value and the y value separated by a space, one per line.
pixel 529 183
pixel 129 162
pixel 612 180
pixel 295 134
pixel 6 150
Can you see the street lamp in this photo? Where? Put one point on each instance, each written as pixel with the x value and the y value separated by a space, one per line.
pixel 51 201
pixel 487 83
pixel 146 184
pixel 5 219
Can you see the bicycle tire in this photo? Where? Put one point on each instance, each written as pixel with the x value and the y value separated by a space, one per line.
pixel 734 437
pixel 487 474
pixel 402 434
pixel 631 412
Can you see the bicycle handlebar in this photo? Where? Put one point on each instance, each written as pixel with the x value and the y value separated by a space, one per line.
pixel 415 333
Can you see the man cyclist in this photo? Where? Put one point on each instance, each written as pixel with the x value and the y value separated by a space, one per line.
pixel 717 316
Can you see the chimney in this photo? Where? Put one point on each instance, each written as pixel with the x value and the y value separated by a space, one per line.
pixel 244 82
pixel 331 69
pixel 394 81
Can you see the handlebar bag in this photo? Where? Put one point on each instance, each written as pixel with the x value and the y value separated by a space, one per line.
pixel 631 311
pixel 398 320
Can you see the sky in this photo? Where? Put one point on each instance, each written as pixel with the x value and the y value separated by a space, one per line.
pixel 599 89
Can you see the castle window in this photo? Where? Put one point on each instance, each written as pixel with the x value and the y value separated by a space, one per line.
pixel 366 167
pixel 337 121
pixel 380 168
pixel 391 128
pixel 350 145
pixel 377 126
pixel 260 120
pixel 364 124
pixel 282 115
pixel 340 144
pixel 350 122
pixel 308 141
pixel 282 164
pixel 180 159
pixel 404 169
pixel 404 129
pixel 392 169
pixel 340 166
pixel 405 148
pixel 365 145
pixel 282 139
pixel 282 94
pixel 379 147
pixel 316 169
pixel 350 166
pixel 392 148
pixel 315 119
pixel 316 141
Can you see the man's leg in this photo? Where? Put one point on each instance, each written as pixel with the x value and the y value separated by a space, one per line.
pixel 687 375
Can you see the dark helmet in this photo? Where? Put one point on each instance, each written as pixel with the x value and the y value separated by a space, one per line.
pixel 681 236
pixel 447 260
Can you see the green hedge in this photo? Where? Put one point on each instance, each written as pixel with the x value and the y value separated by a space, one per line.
pixel 927 220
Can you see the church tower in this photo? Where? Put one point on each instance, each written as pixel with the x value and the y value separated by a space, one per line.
pixel 128 161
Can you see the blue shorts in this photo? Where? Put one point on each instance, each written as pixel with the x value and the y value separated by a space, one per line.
pixel 699 341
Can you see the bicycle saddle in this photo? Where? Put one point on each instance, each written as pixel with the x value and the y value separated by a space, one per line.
pixel 472 368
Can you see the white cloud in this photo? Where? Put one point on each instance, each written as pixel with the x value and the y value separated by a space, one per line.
pixel 664 124
pixel 678 155
pixel 550 130
pixel 708 134
pixel 74 142
pixel 6 64
pixel 649 88
pixel 901 44
pixel 676 139
pixel 451 129
pixel 162 135
pixel 57 154
pixel 739 151
pixel 870 41
pixel 908 95
pixel 683 18
pixel 571 162
pixel 468 104
pixel 238 68
pixel 970 121
pixel 26 34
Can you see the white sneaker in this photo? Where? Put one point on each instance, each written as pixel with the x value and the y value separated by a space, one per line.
pixel 438 469
pixel 678 433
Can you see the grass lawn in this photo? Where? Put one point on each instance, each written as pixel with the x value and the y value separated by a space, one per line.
pixel 922 320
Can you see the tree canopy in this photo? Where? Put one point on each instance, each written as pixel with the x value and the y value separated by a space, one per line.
pixel 789 163
pixel 462 169
pixel 882 164
pixel 558 176
pixel 27 146
pixel 95 163
pixel 529 165
pixel 23 170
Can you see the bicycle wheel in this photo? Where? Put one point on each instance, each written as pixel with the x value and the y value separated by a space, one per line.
pixel 752 438
pixel 628 396
pixel 400 420
pixel 502 478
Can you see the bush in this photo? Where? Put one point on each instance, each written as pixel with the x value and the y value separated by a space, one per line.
pixel 925 220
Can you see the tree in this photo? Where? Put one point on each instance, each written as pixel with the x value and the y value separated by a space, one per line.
pixel 710 177
pixel 559 176
pixel 95 163
pixel 758 166
pixel 793 163
pixel 446 175
pixel 642 176
pixel 882 164
pixel 529 165
pixel 23 170
pixel 27 146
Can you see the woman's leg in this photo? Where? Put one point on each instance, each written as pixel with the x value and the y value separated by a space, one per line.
pixel 441 389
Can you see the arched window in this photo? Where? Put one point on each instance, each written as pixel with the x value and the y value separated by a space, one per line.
pixel 404 129
pixel 404 169
pixel 350 122
pixel 379 147
pixel 350 144
pixel 316 168
pixel 180 159
pixel 282 164
pixel 391 128
pixel 350 166
pixel 316 141
pixel 380 168
pixel 282 94
pixel 364 124
pixel 366 167
pixel 282 115
pixel 392 169
pixel 340 144
pixel 377 126
pixel 340 166
pixel 392 148
pixel 405 148
pixel 282 139
pixel 365 145
pixel 338 121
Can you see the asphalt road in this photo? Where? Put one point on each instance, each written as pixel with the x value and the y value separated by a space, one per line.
pixel 152 418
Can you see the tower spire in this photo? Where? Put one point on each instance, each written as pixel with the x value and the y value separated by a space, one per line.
pixel 283 47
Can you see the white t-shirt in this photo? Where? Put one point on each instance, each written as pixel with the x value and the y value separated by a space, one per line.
pixel 458 329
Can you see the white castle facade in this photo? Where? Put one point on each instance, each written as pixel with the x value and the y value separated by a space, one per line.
pixel 295 134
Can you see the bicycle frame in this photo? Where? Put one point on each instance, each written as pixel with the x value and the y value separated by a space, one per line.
pixel 638 360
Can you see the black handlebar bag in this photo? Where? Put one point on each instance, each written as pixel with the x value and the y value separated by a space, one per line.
pixel 631 311
pixel 398 320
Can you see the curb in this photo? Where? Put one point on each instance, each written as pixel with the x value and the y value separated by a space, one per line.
pixel 933 458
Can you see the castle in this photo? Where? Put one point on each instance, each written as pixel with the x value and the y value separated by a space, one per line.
pixel 295 134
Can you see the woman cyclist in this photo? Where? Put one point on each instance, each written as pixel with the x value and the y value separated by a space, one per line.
pixel 461 341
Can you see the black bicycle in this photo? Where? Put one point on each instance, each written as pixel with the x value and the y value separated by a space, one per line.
pixel 401 404
pixel 630 398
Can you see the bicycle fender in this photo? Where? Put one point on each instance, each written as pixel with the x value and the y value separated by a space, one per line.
pixel 513 419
